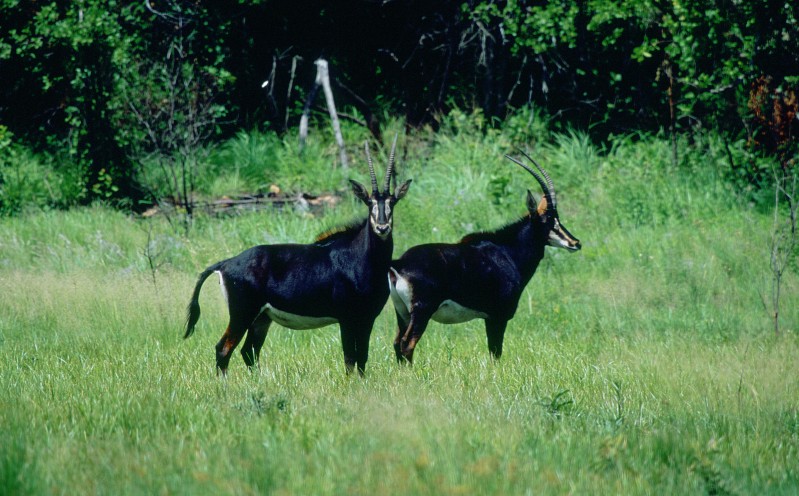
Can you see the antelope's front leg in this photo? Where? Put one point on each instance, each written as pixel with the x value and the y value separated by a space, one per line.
pixel 362 346
pixel 495 332
pixel 349 346
pixel 256 334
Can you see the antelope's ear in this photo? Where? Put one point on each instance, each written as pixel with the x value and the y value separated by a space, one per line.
pixel 532 203
pixel 360 191
pixel 543 208
pixel 536 207
pixel 402 190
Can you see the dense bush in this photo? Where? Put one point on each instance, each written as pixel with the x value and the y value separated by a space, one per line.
pixel 28 179
pixel 91 80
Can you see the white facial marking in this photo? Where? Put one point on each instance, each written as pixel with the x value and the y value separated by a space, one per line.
pixel 294 321
pixel 383 230
pixel 559 241
pixel 450 312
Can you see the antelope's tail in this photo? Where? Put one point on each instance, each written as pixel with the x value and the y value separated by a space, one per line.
pixel 193 310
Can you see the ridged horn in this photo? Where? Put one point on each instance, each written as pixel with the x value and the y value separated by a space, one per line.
pixel 371 168
pixel 552 194
pixel 390 170
pixel 541 182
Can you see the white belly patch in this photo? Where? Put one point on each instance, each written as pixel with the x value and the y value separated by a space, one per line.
pixel 450 312
pixel 286 319
pixel 294 321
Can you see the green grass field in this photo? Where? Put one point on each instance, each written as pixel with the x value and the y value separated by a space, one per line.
pixel 644 364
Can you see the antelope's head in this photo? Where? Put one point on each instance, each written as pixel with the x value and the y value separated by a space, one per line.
pixel 381 204
pixel 545 211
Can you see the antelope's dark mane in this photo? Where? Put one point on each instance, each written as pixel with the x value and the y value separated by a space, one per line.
pixel 506 233
pixel 346 231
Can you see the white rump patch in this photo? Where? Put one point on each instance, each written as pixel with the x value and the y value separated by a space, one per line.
pixel 450 312
pixel 294 321
pixel 401 295
pixel 222 286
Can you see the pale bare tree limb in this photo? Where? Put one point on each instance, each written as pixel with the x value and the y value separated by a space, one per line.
pixel 291 86
pixel 306 112
pixel 323 79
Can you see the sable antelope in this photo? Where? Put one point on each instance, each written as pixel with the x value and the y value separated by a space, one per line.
pixel 480 277
pixel 338 278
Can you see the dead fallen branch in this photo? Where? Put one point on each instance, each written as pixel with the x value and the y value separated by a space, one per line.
pixel 234 204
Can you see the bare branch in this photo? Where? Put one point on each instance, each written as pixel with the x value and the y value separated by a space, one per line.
pixel 323 79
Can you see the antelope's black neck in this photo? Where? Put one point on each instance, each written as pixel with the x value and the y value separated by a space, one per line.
pixel 381 248
pixel 520 240
pixel 359 236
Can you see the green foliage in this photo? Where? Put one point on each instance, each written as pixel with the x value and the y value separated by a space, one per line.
pixel 253 161
pixel 528 125
pixel 698 58
pixel 246 161
pixel 29 181
pixel 92 67
pixel 104 85
pixel 71 54
pixel 538 28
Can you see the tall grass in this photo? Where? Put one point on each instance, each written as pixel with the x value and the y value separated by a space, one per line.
pixel 642 364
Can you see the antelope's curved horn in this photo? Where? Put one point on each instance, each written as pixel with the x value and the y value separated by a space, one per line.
pixel 371 168
pixel 390 169
pixel 552 195
pixel 537 178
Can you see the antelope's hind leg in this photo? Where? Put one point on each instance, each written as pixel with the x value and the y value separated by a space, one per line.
pixel 420 317
pixel 256 334
pixel 401 293
pixel 402 326
pixel 230 339
pixel 239 322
